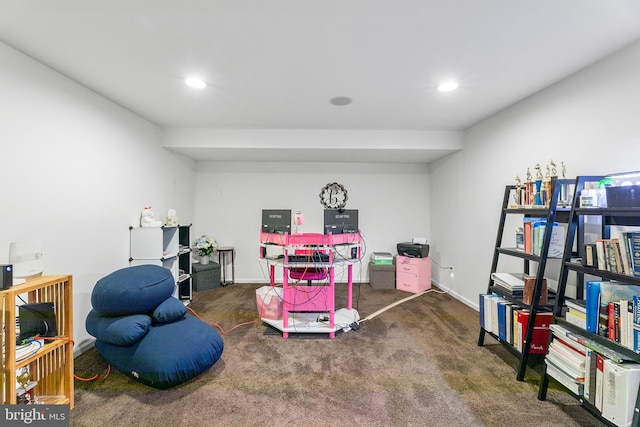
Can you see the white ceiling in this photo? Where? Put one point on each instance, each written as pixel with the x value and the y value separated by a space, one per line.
pixel 275 64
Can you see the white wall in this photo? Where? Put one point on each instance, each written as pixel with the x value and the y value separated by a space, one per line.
pixel 392 200
pixel 76 171
pixel 589 121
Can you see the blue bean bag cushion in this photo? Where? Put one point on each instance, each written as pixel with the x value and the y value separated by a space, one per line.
pixel 145 333
pixel 120 330
pixel 168 311
pixel 170 353
pixel 132 290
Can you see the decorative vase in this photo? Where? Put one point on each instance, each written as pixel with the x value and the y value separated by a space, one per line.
pixel 204 259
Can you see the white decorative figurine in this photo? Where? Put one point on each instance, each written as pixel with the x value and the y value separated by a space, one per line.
pixel 147 219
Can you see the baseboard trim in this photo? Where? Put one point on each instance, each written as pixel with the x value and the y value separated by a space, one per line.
pixel 83 347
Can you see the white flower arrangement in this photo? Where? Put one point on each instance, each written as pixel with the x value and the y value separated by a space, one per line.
pixel 205 245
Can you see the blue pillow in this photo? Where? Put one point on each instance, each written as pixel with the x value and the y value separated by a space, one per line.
pixel 122 330
pixel 169 311
pixel 132 290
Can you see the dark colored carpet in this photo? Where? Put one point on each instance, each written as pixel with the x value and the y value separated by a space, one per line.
pixel 416 364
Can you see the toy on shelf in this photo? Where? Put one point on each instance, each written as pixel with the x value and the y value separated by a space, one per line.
pixel 147 218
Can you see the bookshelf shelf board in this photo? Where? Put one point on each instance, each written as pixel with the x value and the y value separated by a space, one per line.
pixel 574 266
pixel 518 253
pixel 509 297
pixel 49 347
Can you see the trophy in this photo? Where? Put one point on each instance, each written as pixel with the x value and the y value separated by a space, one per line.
pixel 538 199
pixel 565 195
pixel 23 378
pixel 554 171
pixel 517 195
pixel 529 190
pixel 546 187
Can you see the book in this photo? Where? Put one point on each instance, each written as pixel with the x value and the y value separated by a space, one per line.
pixel 502 319
pixel 576 319
pixel 509 281
pixel 634 248
pixel 565 366
pixel 624 258
pixel 590 256
pixel 540 331
pixel 612 292
pixel 601 256
pixel 592 304
pixel 528 233
pixel 613 259
pixel 599 381
pixel 590 375
pixel 577 357
pixel 538 236
pixel 556 241
pixel 481 309
pixel 575 387
pixel 576 307
pixel 529 285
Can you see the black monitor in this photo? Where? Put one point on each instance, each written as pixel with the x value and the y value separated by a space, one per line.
pixel 340 221
pixel 276 221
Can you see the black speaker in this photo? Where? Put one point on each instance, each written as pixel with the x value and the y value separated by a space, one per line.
pixel 6 277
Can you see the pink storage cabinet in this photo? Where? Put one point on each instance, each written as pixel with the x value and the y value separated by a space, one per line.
pixel 413 274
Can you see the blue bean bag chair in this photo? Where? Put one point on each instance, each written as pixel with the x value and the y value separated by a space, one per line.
pixel 146 333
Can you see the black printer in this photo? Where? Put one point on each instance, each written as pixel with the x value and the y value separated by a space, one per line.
pixel 413 250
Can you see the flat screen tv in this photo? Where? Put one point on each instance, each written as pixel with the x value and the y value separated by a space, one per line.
pixel 340 221
pixel 276 221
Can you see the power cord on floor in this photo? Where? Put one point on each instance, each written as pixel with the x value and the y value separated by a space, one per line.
pixel 214 324
pixel 95 377
pixel 409 298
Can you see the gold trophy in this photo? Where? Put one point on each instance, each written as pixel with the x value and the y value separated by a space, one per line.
pixel 529 190
pixel 546 185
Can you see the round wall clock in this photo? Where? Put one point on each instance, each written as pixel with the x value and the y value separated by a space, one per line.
pixel 333 196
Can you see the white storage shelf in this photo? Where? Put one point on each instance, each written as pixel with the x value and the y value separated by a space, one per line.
pixel 168 247
pixel 154 243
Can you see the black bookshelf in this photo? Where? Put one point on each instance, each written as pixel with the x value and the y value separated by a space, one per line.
pixel 533 264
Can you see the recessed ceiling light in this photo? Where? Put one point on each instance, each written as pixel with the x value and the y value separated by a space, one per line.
pixel 448 86
pixel 195 83
pixel 340 101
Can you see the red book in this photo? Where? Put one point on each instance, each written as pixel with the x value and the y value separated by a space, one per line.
pixel 611 324
pixel 599 381
pixel 541 331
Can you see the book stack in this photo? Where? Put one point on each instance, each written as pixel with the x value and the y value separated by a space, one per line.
pixel 566 360
pixel 619 255
pixel 600 375
pixel 508 322
pixel 612 310
pixel 534 229
pixel 576 313
pixel 510 283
